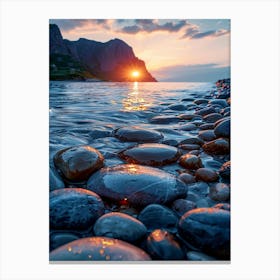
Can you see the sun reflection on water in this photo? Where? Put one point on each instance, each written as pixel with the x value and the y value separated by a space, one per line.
pixel 135 100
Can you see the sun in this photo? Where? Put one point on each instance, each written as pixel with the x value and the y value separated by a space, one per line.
pixel 135 74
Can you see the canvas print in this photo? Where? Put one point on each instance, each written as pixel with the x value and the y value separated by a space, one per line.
pixel 139 140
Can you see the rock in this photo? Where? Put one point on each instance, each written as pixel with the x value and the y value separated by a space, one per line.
pixel 220 102
pixel 59 239
pixel 206 111
pixel 200 101
pixel 98 133
pixel 220 192
pixel 55 182
pixel 164 119
pixel 161 245
pixel 198 256
pixel 74 209
pixel 206 175
pixel 192 140
pixel 207 229
pixel 225 110
pixel 221 120
pixel 170 142
pixel 224 206
pixel 177 107
pixel 181 206
pixel 223 129
pixel 189 147
pixel 202 203
pixel 188 127
pixel 213 117
pixel 190 161
pixel 199 188
pixel 119 226
pixel 225 170
pixel 150 154
pixel 194 152
pixel 137 134
pixel 98 249
pixel 206 126
pixel 156 216
pixel 207 135
pixel 187 178
pixel 218 146
pixel 189 116
pixel 78 163
pixel 139 185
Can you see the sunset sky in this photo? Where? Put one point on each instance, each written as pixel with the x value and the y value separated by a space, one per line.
pixel 191 50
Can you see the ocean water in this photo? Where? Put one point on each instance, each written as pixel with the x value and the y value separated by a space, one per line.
pixel 86 113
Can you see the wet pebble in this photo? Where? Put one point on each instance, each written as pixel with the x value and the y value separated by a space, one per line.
pixel 188 127
pixel 190 161
pixel 220 102
pixel 223 129
pixel 218 146
pixel 119 226
pixel 98 249
pixel 224 206
pixel 161 245
pixel 225 170
pixel 200 101
pixel 151 154
pixel 193 140
pixel 181 206
pixel 78 163
pixel 199 188
pixel 213 117
pixel 156 216
pixel 207 229
pixel 206 126
pixel 139 185
pixel 189 147
pixel 206 175
pixel 74 209
pixel 164 119
pixel 187 178
pixel 177 107
pixel 206 111
pixel 59 239
pixel 207 135
pixel 189 117
pixel 137 134
pixel 220 192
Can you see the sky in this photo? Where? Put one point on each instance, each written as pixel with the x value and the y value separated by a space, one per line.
pixel 190 50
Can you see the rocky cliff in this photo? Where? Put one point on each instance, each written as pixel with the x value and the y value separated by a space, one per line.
pixel 81 59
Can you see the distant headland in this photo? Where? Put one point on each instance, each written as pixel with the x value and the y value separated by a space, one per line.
pixel 91 60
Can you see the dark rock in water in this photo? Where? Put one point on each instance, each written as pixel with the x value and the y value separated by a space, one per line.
pixel 188 127
pixel 213 117
pixel 74 209
pixel 190 161
pixel 194 152
pixel 139 185
pixel 225 110
pixel 187 99
pixel 220 102
pixel 200 101
pixel 161 245
pixel 98 133
pixel 170 142
pixel 177 107
pixel 206 126
pixel 187 178
pixel 189 147
pixel 156 216
pixel 193 140
pixel 164 119
pixel 181 206
pixel 224 206
pixel 220 192
pixel 227 114
pixel 217 147
pixel 207 135
pixel 189 117
pixel 207 229
pixel 151 154
pixel 98 249
pixel 119 226
pixel 199 188
pixel 59 239
pixel 137 134
pixel 223 129
pixel 55 181
pixel 198 256
pixel 225 170
pixel 206 111
pixel 221 120
pixel 206 175
pixel 78 163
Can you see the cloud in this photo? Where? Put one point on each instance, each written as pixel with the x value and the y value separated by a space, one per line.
pixel 152 25
pixel 194 33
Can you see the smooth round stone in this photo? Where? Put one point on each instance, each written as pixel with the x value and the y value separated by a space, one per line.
pixel 187 99
pixel 207 229
pixel 220 102
pixel 156 216
pixel 207 135
pixel 193 140
pixel 189 147
pixel 78 163
pixel 55 181
pixel 98 249
pixel 221 120
pixel 213 117
pixel 190 161
pixel 189 116
pixel 170 142
pixel 181 206
pixel 177 107
pixel 187 178
pixel 199 188
pixel 218 146
pixel 188 127
pixel 194 152
pixel 137 134
pixel 74 209
pixel 164 119
pixel 119 226
pixel 220 192
pixel 227 114
pixel 151 154
pixel 223 129
pixel 139 185
pixel 198 256
pixel 225 170
pixel 59 239
pixel 206 126
pixel 224 206
pixel 200 101
pixel 206 111
pixel 206 175
pixel 225 110
pixel 161 245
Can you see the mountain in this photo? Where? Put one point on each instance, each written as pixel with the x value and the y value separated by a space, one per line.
pixel 82 59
